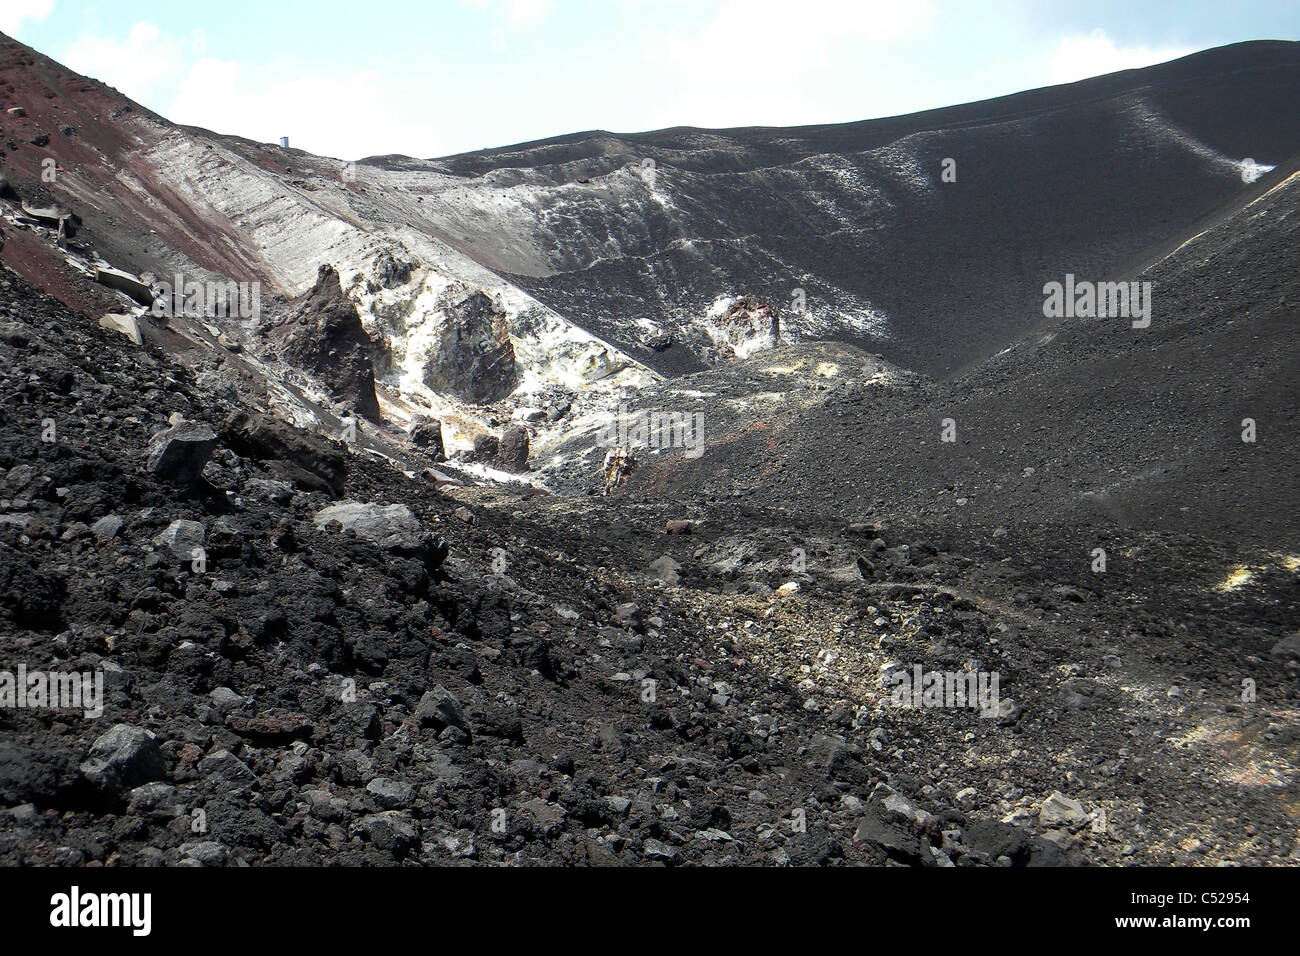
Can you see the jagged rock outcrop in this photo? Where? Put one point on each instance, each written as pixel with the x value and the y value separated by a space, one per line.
pixel 747 325
pixel 390 273
pixel 485 449
pixel 472 356
pixel 512 452
pixel 324 336
pixel 426 433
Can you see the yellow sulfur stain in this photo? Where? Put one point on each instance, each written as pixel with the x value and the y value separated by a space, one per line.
pixel 1236 580
pixel 1280 185
pixel 1242 574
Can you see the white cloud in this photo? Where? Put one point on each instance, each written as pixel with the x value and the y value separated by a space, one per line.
pixel 1079 57
pixel 346 115
pixel 756 61
pixel 771 34
pixel 354 114
pixel 514 13
pixel 320 113
pixel 142 65
pixel 14 12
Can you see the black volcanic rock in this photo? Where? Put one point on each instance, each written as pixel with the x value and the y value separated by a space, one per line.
pixel 390 273
pixel 312 462
pixel 486 448
pixel 29 597
pixel 122 758
pixel 324 336
pixel 472 356
pixel 512 452
pixel 180 452
pixel 1046 429
pixel 426 433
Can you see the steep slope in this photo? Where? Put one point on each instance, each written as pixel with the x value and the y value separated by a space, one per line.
pixel 1085 422
pixel 1090 180
pixel 849 232
pixel 932 274
pixel 160 201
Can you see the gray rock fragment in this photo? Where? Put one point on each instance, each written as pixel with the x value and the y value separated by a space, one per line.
pixel 123 758
pixel 179 453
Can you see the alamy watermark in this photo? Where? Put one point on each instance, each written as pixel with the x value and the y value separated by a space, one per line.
pixel 189 297
pixel 655 429
pixel 919 689
pixel 1098 300
pixel 75 909
pixel 53 690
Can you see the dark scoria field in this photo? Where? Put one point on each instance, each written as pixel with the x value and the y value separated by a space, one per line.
pixel 501 711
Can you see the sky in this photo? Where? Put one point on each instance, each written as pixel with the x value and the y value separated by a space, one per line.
pixel 436 77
